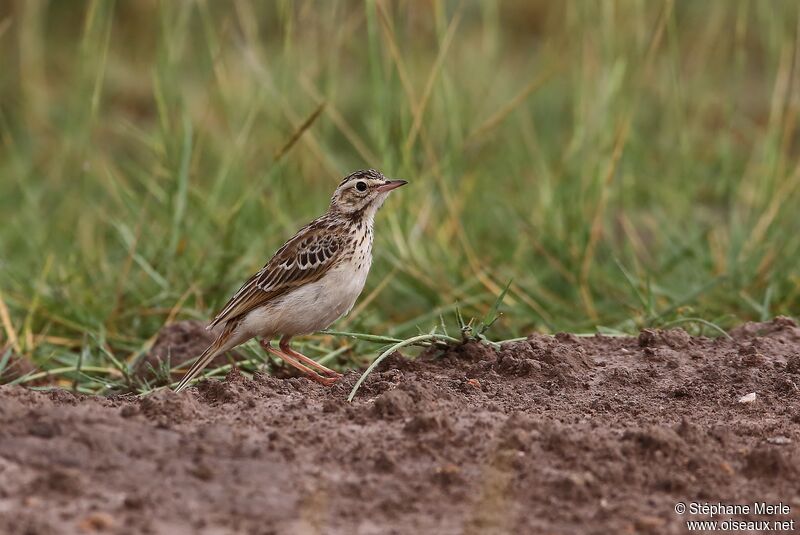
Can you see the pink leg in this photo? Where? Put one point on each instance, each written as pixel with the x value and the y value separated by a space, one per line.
pixel 287 349
pixel 311 374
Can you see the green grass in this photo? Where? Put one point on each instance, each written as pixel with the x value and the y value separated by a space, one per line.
pixel 626 164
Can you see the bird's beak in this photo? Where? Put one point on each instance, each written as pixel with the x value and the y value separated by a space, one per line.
pixel 391 184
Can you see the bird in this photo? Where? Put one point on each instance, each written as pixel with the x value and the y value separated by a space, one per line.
pixel 310 282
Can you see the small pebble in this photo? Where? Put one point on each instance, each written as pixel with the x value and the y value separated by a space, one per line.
pixel 97 521
pixel 780 440
pixel 749 398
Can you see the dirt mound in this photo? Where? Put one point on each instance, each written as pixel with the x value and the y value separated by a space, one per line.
pixel 15 366
pixel 556 434
pixel 176 343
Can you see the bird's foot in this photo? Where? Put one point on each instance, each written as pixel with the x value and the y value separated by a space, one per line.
pixel 325 381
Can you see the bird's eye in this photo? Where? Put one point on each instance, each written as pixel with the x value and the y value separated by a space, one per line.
pixel 361 186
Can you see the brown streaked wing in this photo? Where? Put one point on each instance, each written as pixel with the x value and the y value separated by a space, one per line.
pixel 303 259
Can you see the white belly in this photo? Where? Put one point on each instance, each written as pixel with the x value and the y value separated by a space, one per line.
pixel 311 307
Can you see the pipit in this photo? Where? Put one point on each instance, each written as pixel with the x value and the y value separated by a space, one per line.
pixel 310 282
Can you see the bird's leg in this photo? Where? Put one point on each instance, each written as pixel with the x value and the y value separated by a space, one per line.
pixel 289 360
pixel 287 349
pixel 311 374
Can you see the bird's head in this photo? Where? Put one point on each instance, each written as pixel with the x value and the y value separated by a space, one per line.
pixel 362 193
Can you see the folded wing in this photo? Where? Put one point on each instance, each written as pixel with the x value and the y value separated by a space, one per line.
pixel 303 259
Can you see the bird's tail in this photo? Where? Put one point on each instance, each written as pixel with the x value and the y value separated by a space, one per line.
pixel 217 346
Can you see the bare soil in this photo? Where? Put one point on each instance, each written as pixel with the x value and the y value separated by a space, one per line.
pixel 557 434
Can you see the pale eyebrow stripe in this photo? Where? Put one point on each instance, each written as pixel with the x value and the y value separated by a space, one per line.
pixel 361 173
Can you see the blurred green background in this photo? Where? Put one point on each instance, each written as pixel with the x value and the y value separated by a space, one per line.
pixel 624 164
